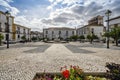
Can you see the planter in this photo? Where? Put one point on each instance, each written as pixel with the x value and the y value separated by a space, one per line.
pixel 75 73
pixel 38 76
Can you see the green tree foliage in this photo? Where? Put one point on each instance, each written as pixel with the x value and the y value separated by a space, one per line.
pixel 34 38
pixel 82 37
pixel 1 37
pixel 23 37
pixel 92 37
pixel 114 33
pixel 75 37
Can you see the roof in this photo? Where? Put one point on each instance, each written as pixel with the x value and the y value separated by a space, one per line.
pixel 89 26
pixel 4 14
pixel 36 32
pixel 21 26
pixel 113 18
pixel 60 28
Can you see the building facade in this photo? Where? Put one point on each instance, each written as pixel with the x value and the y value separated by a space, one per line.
pixel 57 33
pixel 21 31
pixel 4 29
pixel 95 26
pixel 114 22
pixel 98 20
pixel 36 34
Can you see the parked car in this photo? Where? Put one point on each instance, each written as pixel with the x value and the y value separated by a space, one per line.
pixel 96 40
pixel 10 42
pixel 22 41
pixel 119 41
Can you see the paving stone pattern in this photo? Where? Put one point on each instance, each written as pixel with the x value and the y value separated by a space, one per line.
pixel 23 61
pixel 76 49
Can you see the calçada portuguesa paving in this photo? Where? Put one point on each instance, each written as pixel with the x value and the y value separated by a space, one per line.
pixel 23 61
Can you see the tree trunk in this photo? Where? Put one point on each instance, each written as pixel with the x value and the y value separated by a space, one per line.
pixel 0 42
pixel 91 41
pixel 116 42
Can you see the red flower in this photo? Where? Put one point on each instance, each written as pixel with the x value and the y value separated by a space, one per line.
pixel 66 73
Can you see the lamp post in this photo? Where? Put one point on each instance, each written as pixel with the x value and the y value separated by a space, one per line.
pixel 108 14
pixel 7 24
pixel 43 34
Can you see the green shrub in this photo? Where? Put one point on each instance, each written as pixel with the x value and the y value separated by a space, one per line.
pixel 114 71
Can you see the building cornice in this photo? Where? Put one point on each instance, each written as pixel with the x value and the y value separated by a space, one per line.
pixel 4 14
pixel 59 28
pixel 113 18
pixel 21 26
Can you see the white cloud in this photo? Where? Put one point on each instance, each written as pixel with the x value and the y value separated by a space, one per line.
pixel 61 12
pixel 32 17
pixel 78 12
pixel 5 3
pixel 9 0
pixel 51 0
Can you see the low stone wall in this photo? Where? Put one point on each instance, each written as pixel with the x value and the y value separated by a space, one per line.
pixel 99 74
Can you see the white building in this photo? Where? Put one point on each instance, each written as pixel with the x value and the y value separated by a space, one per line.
pixel 89 29
pixel 21 31
pixel 36 34
pixel 58 33
pixel 95 26
pixel 114 22
pixel 3 26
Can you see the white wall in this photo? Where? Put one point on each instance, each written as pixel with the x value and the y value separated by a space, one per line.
pixel 22 32
pixel 56 33
pixel 98 30
pixel 3 20
pixel 116 21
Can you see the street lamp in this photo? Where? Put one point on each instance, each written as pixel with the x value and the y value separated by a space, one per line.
pixel 7 24
pixel 108 13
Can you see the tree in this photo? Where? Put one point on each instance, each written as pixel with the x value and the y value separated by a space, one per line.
pixel 95 36
pixel 1 37
pixel 75 37
pixel 81 37
pixel 115 34
pixel 89 37
pixel 106 34
pixel 23 38
pixel 92 37
pixel 34 38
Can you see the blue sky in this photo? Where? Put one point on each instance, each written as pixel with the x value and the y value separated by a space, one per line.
pixel 38 14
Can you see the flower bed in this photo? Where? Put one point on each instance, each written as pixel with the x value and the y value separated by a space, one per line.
pixel 76 73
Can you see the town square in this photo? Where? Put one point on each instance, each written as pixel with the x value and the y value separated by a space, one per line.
pixel 59 40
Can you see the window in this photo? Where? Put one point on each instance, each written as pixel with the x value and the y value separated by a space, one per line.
pixel 0 28
pixel 24 31
pixel 72 32
pixel 92 30
pixel 52 32
pixel 46 32
pixel 18 30
pixel 18 36
pixel 59 32
pixel 28 31
pixel 115 25
pixel 84 30
pixel 66 33
pixel 46 36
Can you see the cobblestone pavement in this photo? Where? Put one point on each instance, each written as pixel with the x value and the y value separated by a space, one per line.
pixel 76 49
pixel 22 61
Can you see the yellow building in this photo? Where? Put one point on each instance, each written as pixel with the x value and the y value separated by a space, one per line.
pixel 21 31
